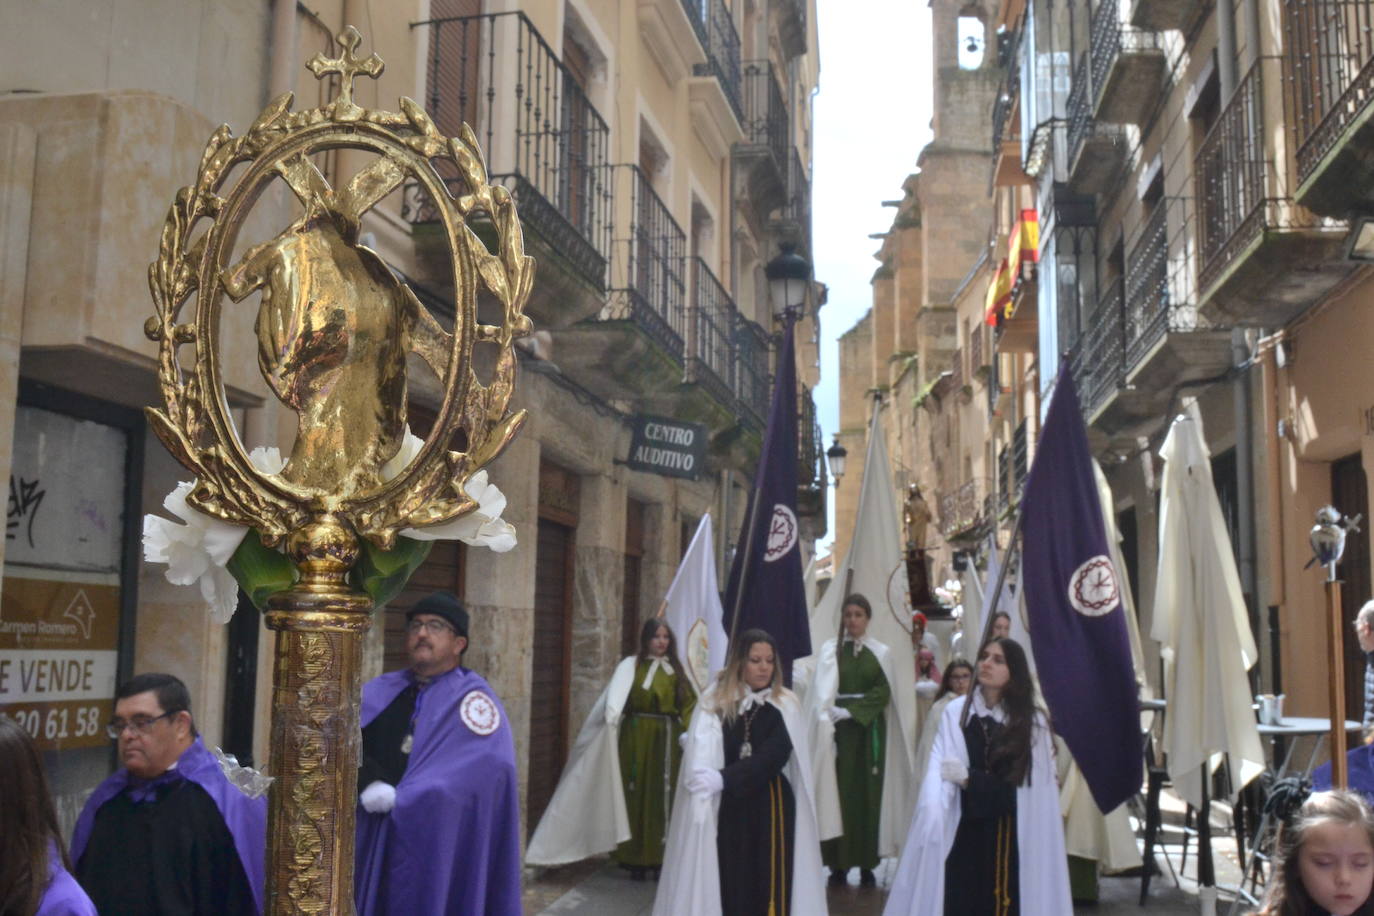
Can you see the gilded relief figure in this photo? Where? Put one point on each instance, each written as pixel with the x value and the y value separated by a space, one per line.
pixel 334 329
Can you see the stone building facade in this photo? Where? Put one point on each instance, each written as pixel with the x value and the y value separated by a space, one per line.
pixel 665 161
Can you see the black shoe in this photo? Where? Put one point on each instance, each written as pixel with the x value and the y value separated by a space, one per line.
pixel 866 878
pixel 838 878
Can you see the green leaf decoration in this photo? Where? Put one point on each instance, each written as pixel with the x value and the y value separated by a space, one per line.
pixel 384 573
pixel 260 571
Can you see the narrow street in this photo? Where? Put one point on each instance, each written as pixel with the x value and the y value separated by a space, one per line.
pixel 610 892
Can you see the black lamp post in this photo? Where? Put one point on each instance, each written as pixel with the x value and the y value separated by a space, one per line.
pixel 788 275
pixel 835 457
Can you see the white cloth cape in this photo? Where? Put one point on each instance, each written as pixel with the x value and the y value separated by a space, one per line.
pixel 927 738
pixel 587 814
pixel 919 886
pixel 898 785
pixel 690 882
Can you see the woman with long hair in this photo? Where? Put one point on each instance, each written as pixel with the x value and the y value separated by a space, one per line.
pixel 35 876
pixel 988 837
pixel 955 681
pixel 616 792
pixel 743 840
pixel 862 742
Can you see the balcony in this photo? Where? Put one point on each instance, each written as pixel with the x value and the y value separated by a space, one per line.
pixel 763 153
pixel 1167 344
pixel 792 27
pixel 1165 15
pixel 1329 57
pixel 1006 117
pixel 671 30
pixel 751 381
pixel 634 347
pixel 811 469
pixel 1128 67
pixel 794 225
pixel 1263 259
pixel 1097 150
pixel 965 510
pixel 710 345
pixel 1101 360
pixel 714 99
pixel 544 141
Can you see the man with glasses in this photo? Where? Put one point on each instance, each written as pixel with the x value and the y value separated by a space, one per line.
pixel 438 818
pixel 168 833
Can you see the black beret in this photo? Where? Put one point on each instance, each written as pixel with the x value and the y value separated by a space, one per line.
pixel 445 605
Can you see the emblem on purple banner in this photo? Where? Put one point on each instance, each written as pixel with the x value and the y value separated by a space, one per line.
pixel 782 534
pixel 1092 590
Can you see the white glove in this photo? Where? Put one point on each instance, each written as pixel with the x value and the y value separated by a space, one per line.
pixel 839 714
pixel 682 740
pixel 378 798
pixel 705 781
pixel 953 771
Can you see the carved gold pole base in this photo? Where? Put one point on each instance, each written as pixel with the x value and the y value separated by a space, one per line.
pixel 315 696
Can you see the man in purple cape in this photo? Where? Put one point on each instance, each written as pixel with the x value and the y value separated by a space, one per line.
pixel 439 815
pixel 168 833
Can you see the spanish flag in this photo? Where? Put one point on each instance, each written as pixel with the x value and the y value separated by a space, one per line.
pixel 1025 242
pixel 999 294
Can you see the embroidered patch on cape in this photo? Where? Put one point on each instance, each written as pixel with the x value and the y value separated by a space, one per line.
pixel 479 713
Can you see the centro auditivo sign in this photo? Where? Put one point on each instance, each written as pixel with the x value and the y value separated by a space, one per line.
pixel 668 447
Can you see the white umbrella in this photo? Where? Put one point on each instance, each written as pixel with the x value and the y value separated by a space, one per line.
pixel 1201 623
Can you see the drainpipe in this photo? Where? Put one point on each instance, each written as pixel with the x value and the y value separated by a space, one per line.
pixel 1278 584
pixel 283 68
pixel 1245 487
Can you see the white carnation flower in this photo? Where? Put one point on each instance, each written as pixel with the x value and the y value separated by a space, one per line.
pixel 198 549
pixel 482 527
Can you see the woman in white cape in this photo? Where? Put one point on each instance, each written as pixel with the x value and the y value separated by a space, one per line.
pixel 617 788
pixel 864 787
pixel 742 840
pixel 955 681
pixel 991 776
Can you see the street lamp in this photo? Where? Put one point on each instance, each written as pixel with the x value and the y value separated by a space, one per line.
pixel 788 276
pixel 835 456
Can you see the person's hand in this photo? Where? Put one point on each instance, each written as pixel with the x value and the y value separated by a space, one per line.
pixel 682 740
pixel 839 714
pixel 705 781
pixel 953 771
pixel 378 798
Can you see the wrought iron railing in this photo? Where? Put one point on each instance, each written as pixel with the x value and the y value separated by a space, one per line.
pixel 1009 58
pixel 751 376
pixel 811 469
pixel 765 112
pixel 543 138
pixel 651 250
pixel 976 359
pixel 713 316
pixel 1230 180
pixel 1329 51
pixel 798 207
pixel 1078 108
pixel 1103 349
pixel 721 42
pixel 696 15
pixel 956 369
pixel 1020 458
pixel 1004 478
pixel 964 507
pixel 1157 291
pixel 1109 38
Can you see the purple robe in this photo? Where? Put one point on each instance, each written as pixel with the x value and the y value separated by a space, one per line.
pixel 245 817
pixel 63 897
pixel 452 843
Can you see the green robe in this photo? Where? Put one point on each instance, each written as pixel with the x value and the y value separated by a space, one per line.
pixel 649 760
pixel 860 744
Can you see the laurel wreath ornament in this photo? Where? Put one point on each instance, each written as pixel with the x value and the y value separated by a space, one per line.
pixel 438 485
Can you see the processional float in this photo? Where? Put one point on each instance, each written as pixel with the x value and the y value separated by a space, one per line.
pixel 334 329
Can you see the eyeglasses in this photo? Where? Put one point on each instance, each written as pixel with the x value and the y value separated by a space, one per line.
pixel 435 627
pixel 960 676
pixel 140 724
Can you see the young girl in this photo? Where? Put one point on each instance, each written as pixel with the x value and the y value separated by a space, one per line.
pixel 1325 862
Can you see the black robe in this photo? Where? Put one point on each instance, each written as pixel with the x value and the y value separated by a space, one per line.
pixel 169 857
pixel 981 871
pixel 757 820
pixel 385 755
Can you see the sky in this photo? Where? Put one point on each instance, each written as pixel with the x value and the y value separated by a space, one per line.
pixel 872 116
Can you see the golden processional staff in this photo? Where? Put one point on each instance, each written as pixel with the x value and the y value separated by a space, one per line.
pixel 334 329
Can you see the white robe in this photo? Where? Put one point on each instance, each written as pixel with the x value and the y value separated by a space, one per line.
pixel 690 882
pixel 899 795
pixel 587 814
pixel 919 886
